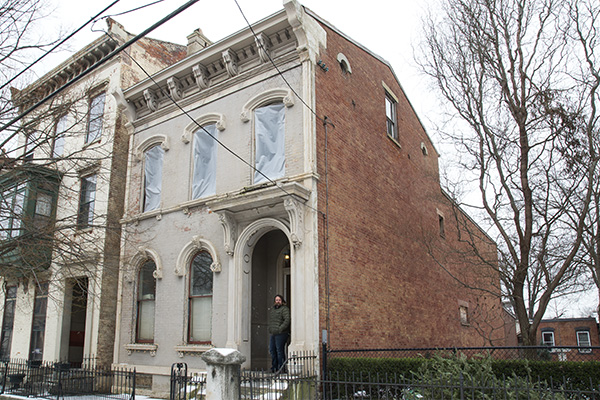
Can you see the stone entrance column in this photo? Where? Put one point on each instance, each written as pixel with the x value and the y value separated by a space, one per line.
pixel 223 373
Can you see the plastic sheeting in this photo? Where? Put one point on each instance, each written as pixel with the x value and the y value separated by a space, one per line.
pixel 153 177
pixel 269 128
pixel 205 162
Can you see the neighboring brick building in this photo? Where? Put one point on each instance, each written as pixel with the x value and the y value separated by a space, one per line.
pixel 62 199
pixel 581 332
pixel 352 228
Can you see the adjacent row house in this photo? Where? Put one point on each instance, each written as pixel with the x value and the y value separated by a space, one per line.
pixel 62 199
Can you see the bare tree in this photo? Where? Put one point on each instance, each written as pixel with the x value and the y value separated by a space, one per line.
pixel 521 77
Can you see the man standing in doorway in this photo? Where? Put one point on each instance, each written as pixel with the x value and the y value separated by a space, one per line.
pixel 279 328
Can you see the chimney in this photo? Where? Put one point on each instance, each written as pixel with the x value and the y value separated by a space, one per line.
pixel 197 41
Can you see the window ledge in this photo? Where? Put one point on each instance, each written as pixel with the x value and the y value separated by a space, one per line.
pixel 141 348
pixel 394 140
pixel 192 349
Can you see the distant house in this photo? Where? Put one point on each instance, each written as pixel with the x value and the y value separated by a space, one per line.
pixel 344 215
pixel 61 201
pixel 581 332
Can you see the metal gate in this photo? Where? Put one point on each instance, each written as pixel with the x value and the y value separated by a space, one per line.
pixel 186 386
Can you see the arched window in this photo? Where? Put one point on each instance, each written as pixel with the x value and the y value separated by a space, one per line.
pixel 146 295
pixel 153 165
pixel 269 134
pixel 200 298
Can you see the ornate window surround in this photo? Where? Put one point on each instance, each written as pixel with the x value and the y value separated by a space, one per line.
pixel 216 118
pixel 278 94
pixel 161 140
pixel 189 251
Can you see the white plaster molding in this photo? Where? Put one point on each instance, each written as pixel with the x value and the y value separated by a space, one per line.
pixel 201 76
pixel 151 100
pixel 342 59
pixel 126 109
pixel 190 250
pixel 263 43
pixel 161 140
pixel 175 89
pixel 283 94
pixel 141 348
pixel 144 254
pixel 295 212
pixel 191 128
pixel 229 230
pixel 309 34
pixel 192 349
pixel 231 62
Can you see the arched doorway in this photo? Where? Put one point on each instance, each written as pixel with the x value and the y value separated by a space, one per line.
pixel 271 263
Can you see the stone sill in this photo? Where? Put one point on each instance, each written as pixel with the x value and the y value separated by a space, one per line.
pixel 142 348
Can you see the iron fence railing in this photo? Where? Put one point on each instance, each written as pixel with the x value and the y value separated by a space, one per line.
pixel 184 386
pixel 389 387
pixel 57 379
pixel 296 380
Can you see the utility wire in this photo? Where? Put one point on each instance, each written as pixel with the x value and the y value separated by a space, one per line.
pixel 187 114
pixel 56 46
pixel 92 68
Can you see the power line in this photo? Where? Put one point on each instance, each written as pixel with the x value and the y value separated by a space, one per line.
pixel 56 46
pixel 92 68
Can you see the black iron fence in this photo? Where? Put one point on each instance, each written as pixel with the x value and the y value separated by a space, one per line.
pixel 58 379
pixel 393 387
pixel 186 386
pixel 297 380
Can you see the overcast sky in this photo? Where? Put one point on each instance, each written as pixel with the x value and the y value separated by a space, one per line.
pixel 389 28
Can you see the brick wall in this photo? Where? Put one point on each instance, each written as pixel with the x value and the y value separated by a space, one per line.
pixel 389 284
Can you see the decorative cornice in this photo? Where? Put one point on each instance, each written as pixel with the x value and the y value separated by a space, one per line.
pixel 201 76
pixel 151 101
pixel 231 62
pixel 263 44
pixel 174 88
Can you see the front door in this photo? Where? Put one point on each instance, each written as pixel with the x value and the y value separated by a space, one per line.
pixel 267 280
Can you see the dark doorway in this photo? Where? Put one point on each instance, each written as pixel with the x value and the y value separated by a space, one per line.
pixel 78 316
pixel 267 281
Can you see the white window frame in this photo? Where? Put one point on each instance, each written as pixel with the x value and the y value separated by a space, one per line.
pixel 95 120
pixel 545 342
pixel 589 340
pixel 87 200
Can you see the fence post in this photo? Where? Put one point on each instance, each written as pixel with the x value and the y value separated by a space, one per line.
pixel 223 373
pixel 324 377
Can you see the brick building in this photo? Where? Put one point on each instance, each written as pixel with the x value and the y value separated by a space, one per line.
pixel 343 215
pixel 61 201
pixel 570 332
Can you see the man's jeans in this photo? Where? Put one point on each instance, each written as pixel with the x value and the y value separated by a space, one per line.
pixel 277 350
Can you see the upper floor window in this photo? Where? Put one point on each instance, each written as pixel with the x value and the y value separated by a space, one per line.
pixel 200 298
pixel 390 116
pixel 583 340
pixel 95 118
pixel 153 165
pixel 548 338
pixel 11 211
pixel 269 129
pixel 31 142
pixel 146 296
pixel 58 143
pixel 205 162
pixel 87 197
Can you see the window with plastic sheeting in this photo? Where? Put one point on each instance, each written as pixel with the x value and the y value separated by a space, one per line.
pixel 153 165
pixel 269 130
pixel 200 298
pixel 204 181
pixel 146 296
